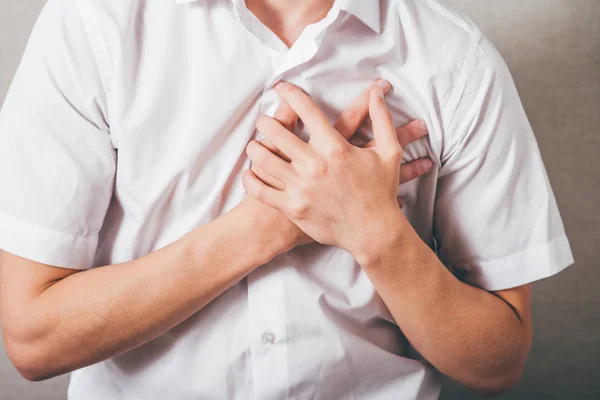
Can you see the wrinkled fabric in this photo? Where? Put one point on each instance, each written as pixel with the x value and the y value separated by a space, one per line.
pixel 125 129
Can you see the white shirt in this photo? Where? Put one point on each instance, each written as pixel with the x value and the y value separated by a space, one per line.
pixel 125 129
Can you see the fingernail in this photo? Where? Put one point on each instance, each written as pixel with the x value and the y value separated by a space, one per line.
pixel 427 164
pixel 424 126
pixel 280 84
pixel 384 85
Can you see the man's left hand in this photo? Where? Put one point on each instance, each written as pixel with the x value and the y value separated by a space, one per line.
pixel 337 193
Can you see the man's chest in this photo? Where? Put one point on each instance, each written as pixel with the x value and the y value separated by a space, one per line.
pixel 201 119
pixel 182 112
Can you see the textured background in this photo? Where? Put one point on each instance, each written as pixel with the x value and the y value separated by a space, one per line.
pixel 553 50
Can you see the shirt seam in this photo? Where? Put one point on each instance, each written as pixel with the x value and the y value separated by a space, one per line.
pixel 49 231
pixel 475 264
pixel 458 91
pixel 97 44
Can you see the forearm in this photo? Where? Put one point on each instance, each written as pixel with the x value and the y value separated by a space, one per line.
pixel 96 314
pixel 470 335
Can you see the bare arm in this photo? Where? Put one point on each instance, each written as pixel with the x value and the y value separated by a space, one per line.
pixel 330 191
pixel 56 320
pixel 477 338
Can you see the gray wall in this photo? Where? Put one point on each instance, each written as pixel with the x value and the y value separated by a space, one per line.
pixel 553 49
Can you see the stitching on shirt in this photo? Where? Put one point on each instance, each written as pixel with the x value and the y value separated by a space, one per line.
pixel 48 231
pixel 467 64
pixel 475 263
pixel 463 77
pixel 459 89
pixel 97 43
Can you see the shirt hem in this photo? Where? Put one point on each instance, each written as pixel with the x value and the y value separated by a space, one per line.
pixel 46 246
pixel 522 268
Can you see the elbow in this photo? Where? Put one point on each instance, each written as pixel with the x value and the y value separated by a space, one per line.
pixel 29 361
pixel 32 375
pixel 500 383
pixel 503 375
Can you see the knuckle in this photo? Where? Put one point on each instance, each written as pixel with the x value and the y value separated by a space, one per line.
pixel 415 171
pixel 404 135
pixel 424 167
pixel 411 133
pixel 353 116
pixel 396 154
pixel 299 209
pixel 288 122
pixel 286 117
pixel 338 153
pixel 317 169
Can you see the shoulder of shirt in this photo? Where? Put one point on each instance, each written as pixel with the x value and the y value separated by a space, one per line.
pixel 102 23
pixel 441 12
pixel 450 44
pixel 445 10
pixel 449 39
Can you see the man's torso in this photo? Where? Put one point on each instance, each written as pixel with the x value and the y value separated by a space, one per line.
pixel 184 85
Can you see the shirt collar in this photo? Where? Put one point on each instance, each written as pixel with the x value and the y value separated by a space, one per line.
pixel 366 11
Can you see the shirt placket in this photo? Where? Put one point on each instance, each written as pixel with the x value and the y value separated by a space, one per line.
pixel 267 298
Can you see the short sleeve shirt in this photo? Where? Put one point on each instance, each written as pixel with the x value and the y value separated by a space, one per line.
pixel 125 129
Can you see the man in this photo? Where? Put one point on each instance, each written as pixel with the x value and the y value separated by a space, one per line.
pixel 123 144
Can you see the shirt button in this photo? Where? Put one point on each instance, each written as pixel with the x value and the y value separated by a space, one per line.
pixel 269 337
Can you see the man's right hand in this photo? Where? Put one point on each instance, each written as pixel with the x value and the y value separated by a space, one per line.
pixel 347 124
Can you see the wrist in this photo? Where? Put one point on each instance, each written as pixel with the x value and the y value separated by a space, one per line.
pixel 260 225
pixel 236 238
pixel 381 236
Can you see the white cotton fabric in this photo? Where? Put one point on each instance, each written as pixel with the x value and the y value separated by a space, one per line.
pixel 125 129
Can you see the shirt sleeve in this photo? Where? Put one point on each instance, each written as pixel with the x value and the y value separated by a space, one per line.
pixel 57 162
pixel 497 224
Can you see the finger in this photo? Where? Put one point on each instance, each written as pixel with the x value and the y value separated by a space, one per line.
pixel 274 150
pixel 415 169
pixel 263 193
pixel 369 144
pixel 383 125
pixel 291 145
pixel 286 116
pixel 316 122
pixel 411 132
pixel 406 134
pixel 401 202
pixel 267 179
pixel 269 162
pixel 356 113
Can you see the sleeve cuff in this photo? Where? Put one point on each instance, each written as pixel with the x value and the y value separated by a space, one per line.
pixel 46 246
pixel 521 268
